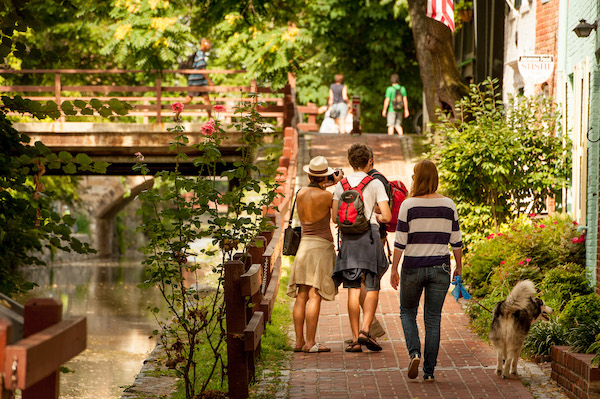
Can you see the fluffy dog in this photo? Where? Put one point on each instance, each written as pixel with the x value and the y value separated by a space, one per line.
pixel 512 319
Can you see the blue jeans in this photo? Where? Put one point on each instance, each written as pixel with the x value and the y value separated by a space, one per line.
pixel 435 281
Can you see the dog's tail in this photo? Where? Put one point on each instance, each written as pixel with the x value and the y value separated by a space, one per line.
pixel 520 295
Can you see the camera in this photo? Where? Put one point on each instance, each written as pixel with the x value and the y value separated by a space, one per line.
pixel 335 174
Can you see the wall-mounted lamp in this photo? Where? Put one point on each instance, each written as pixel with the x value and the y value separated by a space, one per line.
pixel 583 29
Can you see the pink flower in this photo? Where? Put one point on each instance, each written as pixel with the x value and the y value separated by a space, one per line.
pixel 528 260
pixel 581 238
pixel 219 108
pixel 575 223
pixel 500 234
pixel 555 222
pixel 177 107
pixel 542 226
pixel 532 215
pixel 502 262
pixel 139 156
pixel 490 237
pixel 575 240
pixel 208 128
pixel 521 262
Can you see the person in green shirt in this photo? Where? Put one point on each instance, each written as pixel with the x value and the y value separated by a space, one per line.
pixel 395 106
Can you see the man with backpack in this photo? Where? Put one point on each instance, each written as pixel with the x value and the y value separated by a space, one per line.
pixel 395 106
pixel 360 203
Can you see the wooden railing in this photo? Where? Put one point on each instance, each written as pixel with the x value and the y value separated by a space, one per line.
pixel 256 275
pixel 34 343
pixel 153 100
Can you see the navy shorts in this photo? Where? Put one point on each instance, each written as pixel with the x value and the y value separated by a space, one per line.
pixel 370 280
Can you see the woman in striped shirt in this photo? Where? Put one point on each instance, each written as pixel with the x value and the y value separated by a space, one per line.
pixel 427 223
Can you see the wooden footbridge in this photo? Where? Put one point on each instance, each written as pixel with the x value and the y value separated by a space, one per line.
pixel 115 139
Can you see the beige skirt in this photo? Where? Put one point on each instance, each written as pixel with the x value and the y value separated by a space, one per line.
pixel 313 266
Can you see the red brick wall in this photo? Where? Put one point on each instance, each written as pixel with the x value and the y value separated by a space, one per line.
pixel 546 35
pixel 574 372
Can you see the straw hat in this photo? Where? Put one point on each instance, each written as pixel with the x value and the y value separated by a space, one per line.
pixel 318 166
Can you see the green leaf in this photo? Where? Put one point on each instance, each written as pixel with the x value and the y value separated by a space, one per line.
pixel 65 156
pixel 70 168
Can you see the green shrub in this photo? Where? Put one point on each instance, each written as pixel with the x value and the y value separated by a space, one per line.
pixel 582 336
pixel 542 337
pixel 583 309
pixel 595 349
pixel 563 283
pixel 525 249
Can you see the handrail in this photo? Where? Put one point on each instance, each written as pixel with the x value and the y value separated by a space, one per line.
pixel 245 324
pixel 152 105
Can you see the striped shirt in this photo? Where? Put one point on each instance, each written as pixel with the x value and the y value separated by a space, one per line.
pixel 425 228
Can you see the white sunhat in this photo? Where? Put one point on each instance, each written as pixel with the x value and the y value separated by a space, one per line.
pixel 318 166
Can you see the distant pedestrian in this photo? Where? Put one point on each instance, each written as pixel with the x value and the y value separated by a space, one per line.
pixel 427 223
pixel 395 106
pixel 361 259
pixel 338 102
pixel 310 278
pixel 200 79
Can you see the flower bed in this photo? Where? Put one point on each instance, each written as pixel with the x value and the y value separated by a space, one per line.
pixel 575 373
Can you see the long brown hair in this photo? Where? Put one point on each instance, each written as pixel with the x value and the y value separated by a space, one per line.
pixel 425 179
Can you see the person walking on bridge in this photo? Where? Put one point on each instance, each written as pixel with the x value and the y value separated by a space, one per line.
pixel 310 277
pixel 200 79
pixel 338 102
pixel 427 223
pixel 395 106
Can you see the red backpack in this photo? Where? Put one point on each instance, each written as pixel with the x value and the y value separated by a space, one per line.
pixel 350 216
pixel 399 193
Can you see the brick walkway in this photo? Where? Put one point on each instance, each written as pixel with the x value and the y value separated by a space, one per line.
pixel 466 364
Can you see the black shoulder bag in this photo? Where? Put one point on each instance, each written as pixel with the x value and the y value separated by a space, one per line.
pixel 291 236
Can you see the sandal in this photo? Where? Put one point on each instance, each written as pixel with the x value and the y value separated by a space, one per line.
pixel 368 341
pixel 317 348
pixel 351 347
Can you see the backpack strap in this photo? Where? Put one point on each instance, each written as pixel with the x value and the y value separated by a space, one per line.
pixel 366 180
pixel 345 184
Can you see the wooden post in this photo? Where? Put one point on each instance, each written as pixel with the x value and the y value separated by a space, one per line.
pixel 235 307
pixel 288 106
pixel 158 100
pixel 41 313
pixel 5 333
pixel 57 94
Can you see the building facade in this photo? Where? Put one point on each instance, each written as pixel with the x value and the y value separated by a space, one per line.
pixel 578 93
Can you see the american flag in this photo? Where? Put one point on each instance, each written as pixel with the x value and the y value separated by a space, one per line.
pixel 443 11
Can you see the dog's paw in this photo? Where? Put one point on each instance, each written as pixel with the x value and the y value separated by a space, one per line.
pixel 505 376
pixel 499 372
pixel 514 373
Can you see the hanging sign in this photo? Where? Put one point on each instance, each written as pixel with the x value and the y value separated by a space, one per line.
pixel 536 69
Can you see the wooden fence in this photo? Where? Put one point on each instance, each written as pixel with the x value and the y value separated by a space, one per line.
pixel 153 99
pixel 31 362
pixel 255 275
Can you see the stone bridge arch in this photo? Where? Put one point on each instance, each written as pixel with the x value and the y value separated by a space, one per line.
pixel 105 197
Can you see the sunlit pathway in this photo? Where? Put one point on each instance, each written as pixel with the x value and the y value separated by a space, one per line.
pixel 466 364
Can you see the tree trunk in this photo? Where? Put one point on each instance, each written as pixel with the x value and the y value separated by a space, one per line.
pixel 442 83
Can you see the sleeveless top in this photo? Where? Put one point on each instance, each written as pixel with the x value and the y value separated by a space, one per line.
pixel 336 89
pixel 320 228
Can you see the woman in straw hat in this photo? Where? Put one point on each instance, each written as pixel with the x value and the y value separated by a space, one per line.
pixel 310 278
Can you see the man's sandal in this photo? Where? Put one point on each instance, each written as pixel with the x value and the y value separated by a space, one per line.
pixel 352 347
pixel 368 341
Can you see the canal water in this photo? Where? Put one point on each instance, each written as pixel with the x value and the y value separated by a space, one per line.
pixel 118 322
